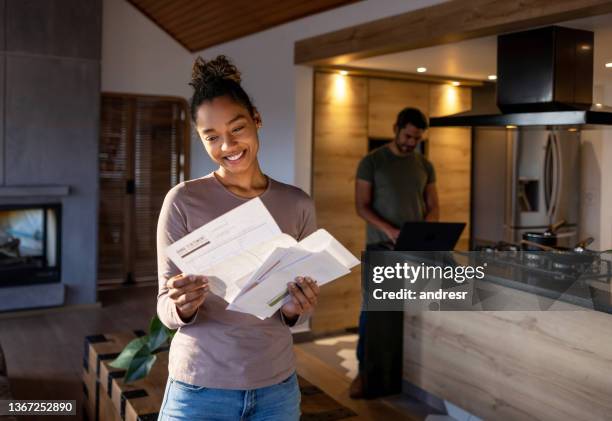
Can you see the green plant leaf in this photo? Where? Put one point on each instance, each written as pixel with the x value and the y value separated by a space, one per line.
pixel 140 366
pixel 158 333
pixel 125 358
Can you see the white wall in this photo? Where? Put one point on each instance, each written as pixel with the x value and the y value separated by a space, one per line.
pixel 139 57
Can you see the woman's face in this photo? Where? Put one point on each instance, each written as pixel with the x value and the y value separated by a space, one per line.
pixel 229 133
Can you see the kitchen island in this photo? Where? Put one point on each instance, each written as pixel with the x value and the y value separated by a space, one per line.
pixel 518 365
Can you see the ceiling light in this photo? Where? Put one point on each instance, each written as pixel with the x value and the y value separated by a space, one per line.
pixel 455 83
pixel 510 126
pixel 421 69
pixel 343 72
pixel 572 129
pixel 492 77
pixel 598 105
pixel 585 47
pixel 608 65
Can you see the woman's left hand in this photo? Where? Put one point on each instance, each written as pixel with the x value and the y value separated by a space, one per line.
pixel 304 293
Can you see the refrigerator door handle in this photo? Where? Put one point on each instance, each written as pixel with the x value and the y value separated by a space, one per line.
pixel 558 180
pixel 548 176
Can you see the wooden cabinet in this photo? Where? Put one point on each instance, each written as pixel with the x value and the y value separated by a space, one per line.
pixel 386 98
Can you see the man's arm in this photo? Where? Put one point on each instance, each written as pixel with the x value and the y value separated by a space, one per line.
pixel 431 201
pixel 363 205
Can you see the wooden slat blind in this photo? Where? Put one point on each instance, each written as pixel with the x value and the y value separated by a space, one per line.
pixel 154 142
pixel 112 162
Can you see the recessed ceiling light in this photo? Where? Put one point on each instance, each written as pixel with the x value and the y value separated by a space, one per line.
pixel 343 72
pixel 455 83
pixel 510 126
pixel 598 105
pixel 421 69
pixel 492 77
pixel 585 47
pixel 609 64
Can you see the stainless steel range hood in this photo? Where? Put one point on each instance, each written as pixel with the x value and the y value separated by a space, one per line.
pixel 549 118
pixel 545 78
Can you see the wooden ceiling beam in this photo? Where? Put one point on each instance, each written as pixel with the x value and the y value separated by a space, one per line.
pixel 448 22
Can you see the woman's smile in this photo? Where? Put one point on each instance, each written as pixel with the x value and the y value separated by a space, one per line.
pixel 235 158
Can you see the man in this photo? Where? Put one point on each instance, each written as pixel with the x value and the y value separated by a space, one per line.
pixel 394 184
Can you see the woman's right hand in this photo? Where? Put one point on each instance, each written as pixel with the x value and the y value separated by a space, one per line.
pixel 187 292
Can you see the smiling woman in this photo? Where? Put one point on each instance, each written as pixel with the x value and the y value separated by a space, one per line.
pixel 226 365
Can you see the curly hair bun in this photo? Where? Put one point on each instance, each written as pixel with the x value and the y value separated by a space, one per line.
pixel 205 72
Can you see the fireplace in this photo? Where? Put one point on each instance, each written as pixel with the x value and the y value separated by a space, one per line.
pixel 30 249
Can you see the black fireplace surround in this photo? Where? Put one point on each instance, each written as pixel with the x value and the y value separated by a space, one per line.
pixel 30 244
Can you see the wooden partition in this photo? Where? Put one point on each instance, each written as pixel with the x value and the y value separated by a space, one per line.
pixel 347 111
pixel 340 141
pixel 450 151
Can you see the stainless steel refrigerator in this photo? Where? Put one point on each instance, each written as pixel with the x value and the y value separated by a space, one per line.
pixel 524 179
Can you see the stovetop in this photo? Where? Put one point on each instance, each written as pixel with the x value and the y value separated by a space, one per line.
pixel 581 279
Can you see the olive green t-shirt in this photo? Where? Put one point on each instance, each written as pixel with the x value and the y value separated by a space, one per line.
pixel 398 187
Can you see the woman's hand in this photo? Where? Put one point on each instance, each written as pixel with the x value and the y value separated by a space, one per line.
pixel 188 292
pixel 304 293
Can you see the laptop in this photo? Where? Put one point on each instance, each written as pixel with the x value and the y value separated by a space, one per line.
pixel 429 236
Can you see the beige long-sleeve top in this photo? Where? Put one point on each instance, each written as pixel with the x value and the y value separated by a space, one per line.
pixel 220 348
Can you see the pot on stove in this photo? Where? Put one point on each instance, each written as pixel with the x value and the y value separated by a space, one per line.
pixel 547 238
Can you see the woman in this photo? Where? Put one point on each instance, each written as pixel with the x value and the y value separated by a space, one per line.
pixel 226 365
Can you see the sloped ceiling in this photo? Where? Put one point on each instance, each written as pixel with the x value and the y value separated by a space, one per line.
pixel 199 24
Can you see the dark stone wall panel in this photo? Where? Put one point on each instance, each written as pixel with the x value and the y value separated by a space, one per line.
pixel 2 81
pixel 67 28
pixel 52 123
pixel 2 23
pixel 51 119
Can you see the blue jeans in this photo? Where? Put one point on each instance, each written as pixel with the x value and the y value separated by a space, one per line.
pixel 279 402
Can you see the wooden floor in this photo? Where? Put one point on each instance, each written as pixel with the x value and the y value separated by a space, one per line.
pixel 44 351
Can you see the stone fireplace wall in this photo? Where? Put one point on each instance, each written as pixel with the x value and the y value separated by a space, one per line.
pixel 49 103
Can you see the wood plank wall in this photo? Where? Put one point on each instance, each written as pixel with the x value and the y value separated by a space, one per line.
pixel 340 141
pixel 450 151
pixel 387 98
pixel 348 110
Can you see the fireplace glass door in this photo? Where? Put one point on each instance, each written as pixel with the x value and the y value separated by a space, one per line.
pixel 29 244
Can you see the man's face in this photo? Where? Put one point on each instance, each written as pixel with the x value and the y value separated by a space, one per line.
pixel 407 138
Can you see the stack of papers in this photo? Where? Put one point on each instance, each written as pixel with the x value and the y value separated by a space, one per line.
pixel 249 261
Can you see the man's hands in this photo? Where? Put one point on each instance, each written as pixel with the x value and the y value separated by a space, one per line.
pixel 392 233
pixel 187 292
pixel 304 293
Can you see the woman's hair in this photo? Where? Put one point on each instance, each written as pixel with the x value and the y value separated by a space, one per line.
pixel 215 78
